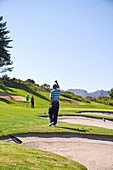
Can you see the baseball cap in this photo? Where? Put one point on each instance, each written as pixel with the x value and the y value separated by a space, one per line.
pixel 54 85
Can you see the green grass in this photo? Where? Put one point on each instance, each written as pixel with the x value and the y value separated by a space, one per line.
pixel 23 120
pixel 42 100
pixel 15 118
pixel 16 157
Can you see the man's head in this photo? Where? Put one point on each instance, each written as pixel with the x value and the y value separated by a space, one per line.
pixel 54 86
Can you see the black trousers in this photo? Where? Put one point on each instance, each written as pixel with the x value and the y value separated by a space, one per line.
pixel 53 112
pixel 32 104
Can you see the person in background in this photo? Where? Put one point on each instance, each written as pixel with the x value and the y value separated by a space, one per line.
pixel 32 102
pixel 27 100
pixel 54 104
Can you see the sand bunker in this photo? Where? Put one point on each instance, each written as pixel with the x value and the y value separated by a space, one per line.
pixel 94 154
pixel 11 96
pixel 87 121
pixel 110 114
pixel 70 102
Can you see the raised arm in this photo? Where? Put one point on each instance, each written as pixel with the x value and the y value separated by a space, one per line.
pixel 57 84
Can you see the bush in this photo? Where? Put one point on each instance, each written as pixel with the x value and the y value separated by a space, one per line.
pixel 30 81
pixel 111 93
pixel 110 103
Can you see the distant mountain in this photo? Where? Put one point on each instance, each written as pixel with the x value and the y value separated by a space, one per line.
pixel 84 93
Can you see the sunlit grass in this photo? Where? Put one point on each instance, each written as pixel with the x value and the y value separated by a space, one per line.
pixel 14 156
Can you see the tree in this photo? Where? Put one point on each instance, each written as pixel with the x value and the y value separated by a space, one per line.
pixel 30 81
pixel 5 77
pixel 47 86
pixel 111 93
pixel 5 58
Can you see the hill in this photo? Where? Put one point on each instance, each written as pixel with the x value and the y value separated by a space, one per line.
pixel 28 85
pixel 84 93
pixel 8 85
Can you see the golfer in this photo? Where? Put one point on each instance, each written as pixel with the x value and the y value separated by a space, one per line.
pixel 54 104
pixel 32 102
pixel 27 100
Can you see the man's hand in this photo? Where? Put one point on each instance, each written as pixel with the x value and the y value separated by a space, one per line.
pixel 56 81
pixel 57 84
pixel 50 106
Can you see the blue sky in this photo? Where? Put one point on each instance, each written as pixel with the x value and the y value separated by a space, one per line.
pixel 67 40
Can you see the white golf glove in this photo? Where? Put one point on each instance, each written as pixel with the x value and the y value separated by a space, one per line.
pixel 50 106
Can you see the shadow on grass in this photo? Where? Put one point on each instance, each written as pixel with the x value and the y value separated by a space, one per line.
pixel 6 101
pixel 74 129
pixel 6 89
pixel 19 85
pixel 39 95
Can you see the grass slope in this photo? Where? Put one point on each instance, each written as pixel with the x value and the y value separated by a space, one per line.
pixel 42 100
pixel 13 156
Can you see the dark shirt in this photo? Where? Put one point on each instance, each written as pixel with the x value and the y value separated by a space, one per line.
pixel 32 99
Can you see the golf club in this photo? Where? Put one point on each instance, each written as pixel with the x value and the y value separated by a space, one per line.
pixel 15 139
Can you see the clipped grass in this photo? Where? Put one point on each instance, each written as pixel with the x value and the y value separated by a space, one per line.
pixel 23 120
pixel 15 118
pixel 13 156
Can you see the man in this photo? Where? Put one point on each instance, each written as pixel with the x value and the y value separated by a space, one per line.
pixel 32 102
pixel 54 104
pixel 27 100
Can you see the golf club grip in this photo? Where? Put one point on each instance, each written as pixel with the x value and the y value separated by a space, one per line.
pixel 14 137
